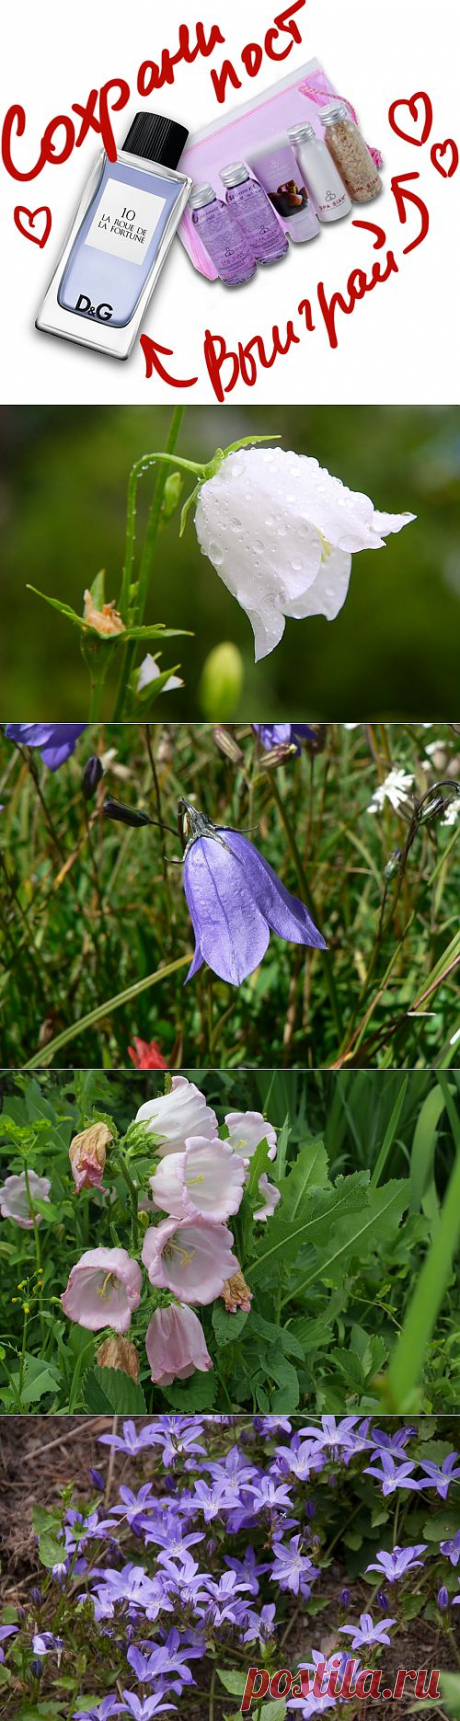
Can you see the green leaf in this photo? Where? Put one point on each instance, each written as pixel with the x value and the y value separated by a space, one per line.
pixel 198 1393
pixel 97 590
pixel 380 1216
pixel 235 1683
pixel 44 1523
pixel 310 1224
pixel 51 1552
pixel 450 1693
pixel 39 1378
pixel 424 1147
pixel 228 1327
pixel 109 1389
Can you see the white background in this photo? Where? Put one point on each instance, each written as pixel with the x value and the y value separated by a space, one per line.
pixel 401 344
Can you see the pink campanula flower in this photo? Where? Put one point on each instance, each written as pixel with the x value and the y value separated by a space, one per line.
pixel 246 1129
pixel 191 1258
pixel 175 1345
pixel 103 1290
pixel 172 1118
pixel 14 1199
pixel 207 1180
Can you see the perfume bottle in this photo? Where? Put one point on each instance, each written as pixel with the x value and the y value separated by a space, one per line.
pixel 223 239
pixel 120 239
pixel 321 175
pixel 248 202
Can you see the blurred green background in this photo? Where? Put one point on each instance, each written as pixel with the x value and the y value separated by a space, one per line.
pixel 393 651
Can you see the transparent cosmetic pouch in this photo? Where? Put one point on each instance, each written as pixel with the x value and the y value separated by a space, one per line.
pixel 248 126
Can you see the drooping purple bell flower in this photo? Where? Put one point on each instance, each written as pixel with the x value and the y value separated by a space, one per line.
pixel 284 734
pixel 235 900
pixel 55 740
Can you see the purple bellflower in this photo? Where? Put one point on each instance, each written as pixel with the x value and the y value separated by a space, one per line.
pixel 366 1632
pixel 393 1475
pixel 440 1476
pixel 55 740
pixel 6 1631
pixel 284 734
pixel 396 1565
pixel 452 1549
pixel 235 900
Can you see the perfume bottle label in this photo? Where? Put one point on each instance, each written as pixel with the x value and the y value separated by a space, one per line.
pixel 124 221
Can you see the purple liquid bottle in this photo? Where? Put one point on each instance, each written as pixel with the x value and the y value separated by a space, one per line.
pixel 247 200
pixel 222 237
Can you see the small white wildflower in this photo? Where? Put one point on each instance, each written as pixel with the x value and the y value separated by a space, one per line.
pixel 281 532
pixel 150 670
pixel 452 812
pixel 396 789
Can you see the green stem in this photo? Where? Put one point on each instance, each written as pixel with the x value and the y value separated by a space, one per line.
pixel 46 1055
pixel 407 1360
pixel 308 899
pixel 133 1195
pixel 165 459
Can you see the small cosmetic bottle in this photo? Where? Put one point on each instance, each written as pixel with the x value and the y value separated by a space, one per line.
pixel 320 173
pixel 248 202
pixel 350 153
pixel 222 237
pixel 120 239
pixel 274 164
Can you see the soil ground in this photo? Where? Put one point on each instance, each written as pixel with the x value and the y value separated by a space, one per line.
pixel 41 1455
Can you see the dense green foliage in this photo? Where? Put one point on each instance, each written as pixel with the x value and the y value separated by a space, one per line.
pixel 355 1283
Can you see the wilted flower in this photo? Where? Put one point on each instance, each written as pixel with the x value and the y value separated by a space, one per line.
pixel 14 1198
pixel 397 789
pixel 103 1289
pixel 176 1116
pixel 175 1345
pixel 87 1154
pixel 236 1294
pixel 207 1179
pixel 106 621
pixel 146 1055
pixel 281 531
pixel 55 740
pixel 235 900
pixel 117 1352
pixel 246 1129
pixel 190 1258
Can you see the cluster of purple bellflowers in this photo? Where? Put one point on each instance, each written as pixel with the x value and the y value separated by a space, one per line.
pixel 227 1532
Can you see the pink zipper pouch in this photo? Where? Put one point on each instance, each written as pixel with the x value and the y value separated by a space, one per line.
pixel 250 125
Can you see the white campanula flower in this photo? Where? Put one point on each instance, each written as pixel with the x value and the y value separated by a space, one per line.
pixel 172 1118
pixel 397 789
pixel 281 533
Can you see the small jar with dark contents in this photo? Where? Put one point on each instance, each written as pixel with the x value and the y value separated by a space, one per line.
pixel 350 153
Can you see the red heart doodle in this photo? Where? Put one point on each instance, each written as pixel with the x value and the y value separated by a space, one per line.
pixel 412 105
pixel 438 150
pixel 25 220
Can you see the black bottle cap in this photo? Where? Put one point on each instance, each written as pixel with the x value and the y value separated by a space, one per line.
pixel 156 138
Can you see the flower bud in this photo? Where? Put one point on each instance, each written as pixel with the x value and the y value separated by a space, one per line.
pixel 344 1598
pixel 37 1668
pixel 310 1509
pixel 221 681
pixel 92 774
pixel 95 1475
pixel 171 494
pixel 87 1154
pixel 443 1598
pixel 382 1600
pixel 36 1599
pixel 118 1352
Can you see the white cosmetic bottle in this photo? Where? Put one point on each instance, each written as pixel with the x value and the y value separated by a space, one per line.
pixel 321 176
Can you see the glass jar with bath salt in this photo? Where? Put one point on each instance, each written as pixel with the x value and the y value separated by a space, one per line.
pixel 320 173
pixel 222 237
pixel 350 153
